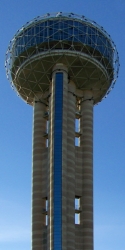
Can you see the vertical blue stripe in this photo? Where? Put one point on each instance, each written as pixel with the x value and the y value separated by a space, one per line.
pixel 58 161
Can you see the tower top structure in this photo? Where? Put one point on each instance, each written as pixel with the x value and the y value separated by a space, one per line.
pixel 75 41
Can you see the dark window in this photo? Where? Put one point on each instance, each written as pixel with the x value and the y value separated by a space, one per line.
pixel 58 161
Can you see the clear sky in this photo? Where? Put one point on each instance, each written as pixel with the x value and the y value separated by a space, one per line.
pixel 16 132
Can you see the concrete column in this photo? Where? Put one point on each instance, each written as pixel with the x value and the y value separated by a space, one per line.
pixel 39 144
pixel 50 171
pixel 70 194
pixel 87 170
pixel 64 159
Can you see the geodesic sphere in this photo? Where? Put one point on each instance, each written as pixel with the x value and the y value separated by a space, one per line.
pixel 80 44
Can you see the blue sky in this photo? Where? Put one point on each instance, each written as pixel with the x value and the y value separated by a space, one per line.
pixel 16 132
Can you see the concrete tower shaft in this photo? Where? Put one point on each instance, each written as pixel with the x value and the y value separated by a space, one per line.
pixel 63 172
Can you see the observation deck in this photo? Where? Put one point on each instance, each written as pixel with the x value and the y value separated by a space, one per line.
pixel 79 43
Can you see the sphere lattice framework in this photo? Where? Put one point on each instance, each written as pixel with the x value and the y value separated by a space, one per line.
pixel 82 45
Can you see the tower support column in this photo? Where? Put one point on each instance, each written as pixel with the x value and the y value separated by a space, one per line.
pixel 87 169
pixel 39 144
pixel 70 194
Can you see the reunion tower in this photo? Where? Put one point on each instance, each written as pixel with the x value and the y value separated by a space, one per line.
pixel 62 64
